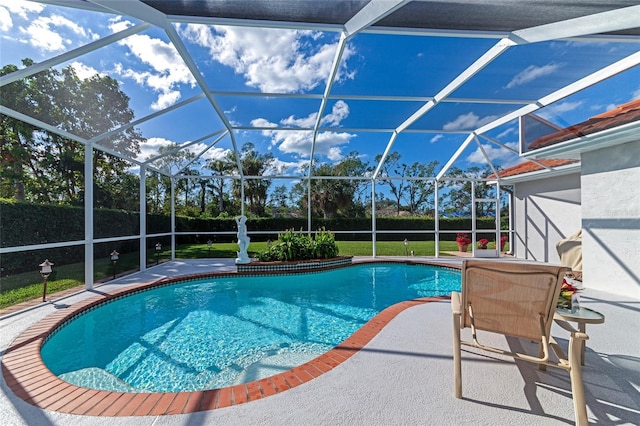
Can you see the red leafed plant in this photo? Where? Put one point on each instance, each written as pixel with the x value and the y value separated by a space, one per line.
pixel 503 241
pixel 482 243
pixel 462 238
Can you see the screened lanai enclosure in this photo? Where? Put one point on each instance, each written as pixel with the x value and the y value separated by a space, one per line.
pixel 151 117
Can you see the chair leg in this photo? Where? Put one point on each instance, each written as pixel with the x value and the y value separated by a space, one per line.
pixel 541 367
pixel 577 385
pixel 457 366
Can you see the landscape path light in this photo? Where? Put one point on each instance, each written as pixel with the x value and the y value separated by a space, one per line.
pixel 158 250
pixel 114 258
pixel 209 243
pixel 45 271
pixel 406 247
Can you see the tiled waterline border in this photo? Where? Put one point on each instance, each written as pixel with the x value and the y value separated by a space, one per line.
pixel 305 266
pixel 28 377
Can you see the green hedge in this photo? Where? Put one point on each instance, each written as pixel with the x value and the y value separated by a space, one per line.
pixel 29 224
pixel 340 226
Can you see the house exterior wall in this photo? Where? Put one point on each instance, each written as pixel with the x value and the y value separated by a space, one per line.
pixel 545 211
pixel 611 219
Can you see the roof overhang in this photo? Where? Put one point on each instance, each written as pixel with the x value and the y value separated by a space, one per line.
pixel 573 148
pixel 542 174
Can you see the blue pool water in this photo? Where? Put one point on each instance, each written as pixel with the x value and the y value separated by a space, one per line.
pixel 216 332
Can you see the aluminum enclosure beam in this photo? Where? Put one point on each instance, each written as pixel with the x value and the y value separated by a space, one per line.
pixel 614 20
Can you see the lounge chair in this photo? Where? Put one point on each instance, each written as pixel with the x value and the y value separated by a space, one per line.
pixel 519 300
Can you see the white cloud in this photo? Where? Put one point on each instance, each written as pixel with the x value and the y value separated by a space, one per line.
pixel 273 60
pixel 334 154
pixel 216 153
pixel 167 70
pixel 566 106
pixel 468 121
pixel 262 122
pixel 497 154
pixel 559 108
pixel 22 8
pixel 6 23
pixel 43 37
pixel 308 121
pixel 279 167
pixel 635 95
pixel 45 32
pixel 151 147
pixel 299 141
pixel 12 7
pixel 436 138
pixel 83 71
pixel 339 112
pixel 117 24
pixel 165 99
pixel 507 132
pixel 36 27
pixel 531 73
pixel 599 108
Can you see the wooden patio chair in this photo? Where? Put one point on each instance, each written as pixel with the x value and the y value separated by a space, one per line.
pixel 519 300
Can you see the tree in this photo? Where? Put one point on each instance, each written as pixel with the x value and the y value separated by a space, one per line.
pixel 14 154
pixel 42 166
pixel 279 198
pixel 335 197
pixel 126 194
pixel 393 168
pixel 458 198
pixel 158 189
pixel 220 167
pixel 172 159
pixel 420 191
pixel 255 190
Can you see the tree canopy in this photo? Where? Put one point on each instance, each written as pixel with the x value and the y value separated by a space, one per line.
pixel 42 166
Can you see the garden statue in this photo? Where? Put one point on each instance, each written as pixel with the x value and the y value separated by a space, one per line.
pixel 243 240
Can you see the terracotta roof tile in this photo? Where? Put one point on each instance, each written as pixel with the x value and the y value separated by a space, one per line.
pixel 623 114
pixel 530 166
pixel 621 109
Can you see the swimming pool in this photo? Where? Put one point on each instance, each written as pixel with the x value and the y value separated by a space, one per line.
pixel 216 332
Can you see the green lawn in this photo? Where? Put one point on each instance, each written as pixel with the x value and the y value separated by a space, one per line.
pixel 394 248
pixel 28 286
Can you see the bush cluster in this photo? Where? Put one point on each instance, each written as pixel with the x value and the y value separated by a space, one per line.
pixel 293 245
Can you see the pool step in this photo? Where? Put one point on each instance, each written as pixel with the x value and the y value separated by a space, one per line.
pixel 274 364
pixel 97 378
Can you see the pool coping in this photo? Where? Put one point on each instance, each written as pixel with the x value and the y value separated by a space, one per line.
pixel 28 377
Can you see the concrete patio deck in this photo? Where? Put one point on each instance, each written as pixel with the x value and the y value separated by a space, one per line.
pixel 403 376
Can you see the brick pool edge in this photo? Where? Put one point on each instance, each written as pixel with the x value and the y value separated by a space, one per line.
pixel 28 378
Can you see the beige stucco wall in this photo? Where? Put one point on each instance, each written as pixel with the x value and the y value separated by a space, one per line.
pixel 611 219
pixel 545 211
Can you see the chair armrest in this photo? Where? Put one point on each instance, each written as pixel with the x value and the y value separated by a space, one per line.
pixel 574 333
pixel 455 303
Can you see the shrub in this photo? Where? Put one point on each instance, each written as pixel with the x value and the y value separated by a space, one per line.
pixel 325 245
pixel 293 245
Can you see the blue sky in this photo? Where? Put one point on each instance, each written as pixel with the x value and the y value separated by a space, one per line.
pixel 280 61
